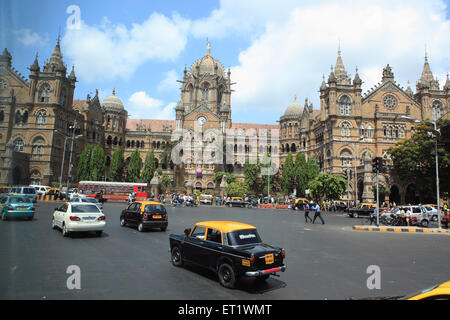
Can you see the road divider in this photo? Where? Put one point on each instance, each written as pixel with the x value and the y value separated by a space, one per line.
pixel 400 229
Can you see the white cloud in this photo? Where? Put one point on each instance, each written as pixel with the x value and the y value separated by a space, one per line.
pixel 110 51
pixel 141 105
pixel 29 38
pixel 297 42
pixel 169 83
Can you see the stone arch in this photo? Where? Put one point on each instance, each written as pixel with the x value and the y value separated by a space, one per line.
pixel 412 194
pixel 394 196
pixel 210 185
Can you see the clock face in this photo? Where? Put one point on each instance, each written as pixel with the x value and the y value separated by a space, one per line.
pixel 201 120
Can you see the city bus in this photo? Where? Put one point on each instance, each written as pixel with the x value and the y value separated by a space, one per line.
pixel 114 190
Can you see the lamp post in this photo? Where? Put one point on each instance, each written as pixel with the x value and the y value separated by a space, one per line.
pixel 73 127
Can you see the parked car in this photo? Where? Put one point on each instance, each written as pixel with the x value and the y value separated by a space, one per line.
pixel 41 190
pixel 88 200
pixel 12 206
pixel 364 210
pixel 237 202
pixel 418 212
pixel 230 249
pixel 301 202
pixel 144 215
pixel 431 211
pixel 206 199
pixel 78 217
pixel 54 192
pixel 341 205
pixel 4 190
pixel 27 192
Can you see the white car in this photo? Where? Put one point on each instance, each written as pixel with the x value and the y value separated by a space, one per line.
pixel 87 200
pixel 79 217
pixel 432 212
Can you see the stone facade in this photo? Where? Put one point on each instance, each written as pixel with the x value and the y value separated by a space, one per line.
pixel 349 129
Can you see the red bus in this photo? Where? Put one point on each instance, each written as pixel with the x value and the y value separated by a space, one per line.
pixel 114 190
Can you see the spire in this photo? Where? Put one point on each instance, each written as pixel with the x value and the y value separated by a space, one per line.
pixel 332 77
pixel 427 79
pixel 295 98
pixel 35 66
pixel 447 84
pixel 72 74
pixel 357 80
pixel 5 59
pixel 114 91
pixel 339 69
pixel 388 75
pixel 324 85
pixel 409 91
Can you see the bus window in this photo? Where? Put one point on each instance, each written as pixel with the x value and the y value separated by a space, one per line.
pixel 139 189
pixel 95 189
pixel 130 188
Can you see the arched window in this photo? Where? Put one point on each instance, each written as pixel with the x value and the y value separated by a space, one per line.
pixel 44 92
pixel 18 145
pixel 345 105
pixel 115 141
pixel 205 91
pixel 346 158
pixel 25 117
pixel 345 128
pixel 109 140
pixel 41 117
pixel 35 177
pixel 2 115
pixel 38 146
pixel 293 148
pixel 142 144
pixel 128 143
pixel 17 117
pixel 220 94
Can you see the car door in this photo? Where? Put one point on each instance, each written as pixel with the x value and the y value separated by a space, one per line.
pixel 136 213
pixel 212 249
pixel 193 245
pixel 59 214
pixel 127 212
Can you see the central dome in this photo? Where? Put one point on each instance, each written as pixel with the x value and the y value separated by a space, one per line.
pixel 207 64
pixel 113 103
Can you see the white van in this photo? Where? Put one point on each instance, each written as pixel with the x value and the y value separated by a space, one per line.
pixel 27 192
pixel 40 189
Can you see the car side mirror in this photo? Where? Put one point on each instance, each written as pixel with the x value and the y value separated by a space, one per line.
pixel 187 232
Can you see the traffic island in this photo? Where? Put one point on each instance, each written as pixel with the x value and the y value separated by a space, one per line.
pixel 400 229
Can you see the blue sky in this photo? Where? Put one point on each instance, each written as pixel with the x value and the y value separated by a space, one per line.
pixel 275 49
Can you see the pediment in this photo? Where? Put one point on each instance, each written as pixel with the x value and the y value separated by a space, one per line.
pixel 389 86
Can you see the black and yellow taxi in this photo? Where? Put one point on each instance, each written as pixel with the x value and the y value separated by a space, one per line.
pixel 301 202
pixel 145 215
pixel 230 249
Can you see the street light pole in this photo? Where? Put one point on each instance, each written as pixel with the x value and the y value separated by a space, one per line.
pixel 62 166
pixel 74 127
pixel 437 174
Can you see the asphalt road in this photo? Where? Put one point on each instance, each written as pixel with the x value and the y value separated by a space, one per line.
pixel 324 261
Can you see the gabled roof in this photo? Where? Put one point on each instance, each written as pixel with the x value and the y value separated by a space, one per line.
pixel 391 85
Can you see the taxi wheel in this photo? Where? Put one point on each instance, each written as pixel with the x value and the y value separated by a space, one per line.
pixel 177 261
pixel 227 277
pixel 122 222
pixel 141 227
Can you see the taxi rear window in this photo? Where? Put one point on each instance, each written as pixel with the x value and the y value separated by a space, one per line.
pixel 85 208
pixel 243 237
pixel 154 207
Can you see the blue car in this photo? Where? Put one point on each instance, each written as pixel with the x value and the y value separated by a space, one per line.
pixel 16 207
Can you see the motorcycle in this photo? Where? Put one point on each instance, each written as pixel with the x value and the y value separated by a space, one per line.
pixel 191 203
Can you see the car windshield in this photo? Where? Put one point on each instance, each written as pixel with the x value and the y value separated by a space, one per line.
pixel 18 200
pixel 91 200
pixel 154 207
pixel 243 237
pixel 85 208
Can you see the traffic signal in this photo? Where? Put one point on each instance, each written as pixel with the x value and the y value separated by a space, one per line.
pixel 377 164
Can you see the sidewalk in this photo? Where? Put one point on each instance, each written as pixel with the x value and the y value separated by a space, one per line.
pixel 400 229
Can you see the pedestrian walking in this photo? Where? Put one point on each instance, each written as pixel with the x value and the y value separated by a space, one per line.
pixel 307 213
pixel 317 214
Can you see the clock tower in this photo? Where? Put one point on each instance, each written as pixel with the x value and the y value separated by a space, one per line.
pixel 204 105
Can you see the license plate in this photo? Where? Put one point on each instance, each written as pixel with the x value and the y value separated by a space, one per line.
pixel 269 258
pixel 157 217
pixel 23 208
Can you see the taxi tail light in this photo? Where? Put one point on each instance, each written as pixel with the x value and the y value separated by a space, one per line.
pixel 33 208
pixel 145 217
pixel 102 218
pixel 74 218
pixel 283 253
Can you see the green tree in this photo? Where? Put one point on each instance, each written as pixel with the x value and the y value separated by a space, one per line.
pixel 83 169
pixel 268 178
pixel 134 168
pixel 251 173
pixel 166 182
pixel 116 170
pixel 97 164
pixel 218 177
pixel 304 172
pixel 413 160
pixel 149 167
pixel 288 174
pixel 327 186
pixel 237 189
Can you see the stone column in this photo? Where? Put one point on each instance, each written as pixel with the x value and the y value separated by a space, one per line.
pixel 367 195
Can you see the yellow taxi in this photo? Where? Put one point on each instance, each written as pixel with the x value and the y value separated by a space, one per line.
pixel 439 292
pixel 230 249
pixel 145 215
pixel 53 191
pixel 368 205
